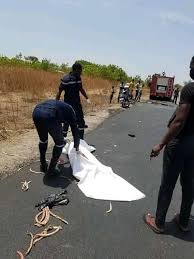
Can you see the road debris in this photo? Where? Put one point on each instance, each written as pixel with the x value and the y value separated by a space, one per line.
pixel 53 200
pixel 20 255
pixel 42 218
pixel 110 209
pixel 57 217
pixel 31 243
pixel 45 215
pixel 106 151
pixel 25 185
pixel 20 168
pixel 47 232
pixel 35 172
pixel 131 135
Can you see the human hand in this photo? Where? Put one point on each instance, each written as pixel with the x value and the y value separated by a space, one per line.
pixel 156 150
pixel 88 101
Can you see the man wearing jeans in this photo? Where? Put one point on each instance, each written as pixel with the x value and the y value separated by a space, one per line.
pixel 48 117
pixel 178 160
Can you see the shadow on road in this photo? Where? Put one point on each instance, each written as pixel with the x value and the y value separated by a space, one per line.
pixel 172 230
pixel 61 181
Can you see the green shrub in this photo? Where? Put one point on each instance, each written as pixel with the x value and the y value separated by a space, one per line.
pixel 109 72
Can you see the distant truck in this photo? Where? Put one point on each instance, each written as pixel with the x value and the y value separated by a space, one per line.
pixel 161 87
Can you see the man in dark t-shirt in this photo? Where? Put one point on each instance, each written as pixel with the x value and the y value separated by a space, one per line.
pixel 121 88
pixel 48 117
pixel 176 95
pixel 178 160
pixel 71 84
pixel 112 94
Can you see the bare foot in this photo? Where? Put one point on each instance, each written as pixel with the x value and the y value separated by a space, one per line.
pixel 150 222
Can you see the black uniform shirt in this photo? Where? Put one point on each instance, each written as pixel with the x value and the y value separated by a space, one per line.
pixel 71 84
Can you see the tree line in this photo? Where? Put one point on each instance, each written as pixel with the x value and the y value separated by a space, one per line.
pixel 109 72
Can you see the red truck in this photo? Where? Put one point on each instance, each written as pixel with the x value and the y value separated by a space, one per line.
pixel 161 87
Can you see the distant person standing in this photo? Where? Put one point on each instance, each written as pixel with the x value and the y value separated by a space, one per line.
pixel 126 93
pixel 137 90
pixel 112 94
pixel 176 95
pixel 121 88
pixel 131 87
pixel 71 84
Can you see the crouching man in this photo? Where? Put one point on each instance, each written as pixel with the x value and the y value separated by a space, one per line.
pixel 48 117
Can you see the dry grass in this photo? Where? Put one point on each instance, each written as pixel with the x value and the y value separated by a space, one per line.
pixel 22 88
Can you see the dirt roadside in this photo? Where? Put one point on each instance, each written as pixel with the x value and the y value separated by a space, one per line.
pixel 21 150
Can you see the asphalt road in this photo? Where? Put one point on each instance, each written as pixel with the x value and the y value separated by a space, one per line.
pixel 92 234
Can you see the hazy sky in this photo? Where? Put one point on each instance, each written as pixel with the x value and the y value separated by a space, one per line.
pixel 143 37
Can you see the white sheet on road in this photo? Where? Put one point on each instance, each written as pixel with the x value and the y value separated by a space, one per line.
pixel 98 181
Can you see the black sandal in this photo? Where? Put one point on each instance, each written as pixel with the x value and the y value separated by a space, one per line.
pixel 183 229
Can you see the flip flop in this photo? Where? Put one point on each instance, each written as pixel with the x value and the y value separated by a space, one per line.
pixel 183 229
pixel 150 222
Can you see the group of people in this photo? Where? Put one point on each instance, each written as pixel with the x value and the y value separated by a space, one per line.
pixel 126 91
pixel 54 117
pixel 178 142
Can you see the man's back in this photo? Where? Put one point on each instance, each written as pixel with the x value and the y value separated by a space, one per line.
pixel 176 92
pixel 54 109
pixel 71 85
pixel 131 85
pixel 137 86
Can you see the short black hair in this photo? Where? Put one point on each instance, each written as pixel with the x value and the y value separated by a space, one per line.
pixel 192 73
pixel 76 67
pixel 192 63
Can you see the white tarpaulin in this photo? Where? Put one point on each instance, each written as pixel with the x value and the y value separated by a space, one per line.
pixel 98 181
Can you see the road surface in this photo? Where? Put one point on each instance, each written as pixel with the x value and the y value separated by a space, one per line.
pixel 92 234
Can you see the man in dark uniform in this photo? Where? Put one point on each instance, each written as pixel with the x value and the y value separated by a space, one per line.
pixel 121 88
pixel 72 85
pixel 112 94
pixel 176 95
pixel 48 117
pixel 178 160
